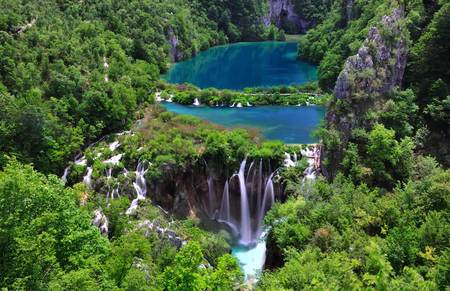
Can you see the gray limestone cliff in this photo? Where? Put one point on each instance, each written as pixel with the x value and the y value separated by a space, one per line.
pixel 367 77
pixel 283 13
pixel 379 64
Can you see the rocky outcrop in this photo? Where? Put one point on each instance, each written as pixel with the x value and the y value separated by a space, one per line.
pixel 366 79
pixel 379 64
pixel 175 53
pixel 165 233
pixel 101 221
pixel 283 12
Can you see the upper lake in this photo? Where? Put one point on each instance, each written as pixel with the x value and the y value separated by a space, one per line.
pixel 241 65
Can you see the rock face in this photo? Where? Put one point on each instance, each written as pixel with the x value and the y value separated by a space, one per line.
pixel 175 53
pixel 101 221
pixel 380 58
pixel 367 77
pixel 282 11
pixel 170 235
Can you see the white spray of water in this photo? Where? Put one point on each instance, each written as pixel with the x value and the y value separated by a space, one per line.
pixel 140 186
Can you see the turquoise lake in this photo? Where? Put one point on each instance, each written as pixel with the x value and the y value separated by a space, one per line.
pixel 290 124
pixel 241 65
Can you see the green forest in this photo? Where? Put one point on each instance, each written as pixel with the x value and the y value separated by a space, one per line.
pixel 102 188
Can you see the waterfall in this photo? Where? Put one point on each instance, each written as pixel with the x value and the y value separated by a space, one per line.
pixel 87 179
pixel 158 97
pixel 113 146
pixel 66 173
pixel 210 197
pixel 258 197
pixel 196 102
pixel 81 161
pixel 224 213
pixel 312 155
pixel 256 191
pixel 140 186
pixel 287 161
pixel 269 193
pixel 101 221
pixel 246 233
pixel 114 160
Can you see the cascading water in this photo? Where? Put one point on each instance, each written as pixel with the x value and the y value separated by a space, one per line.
pixel 211 198
pixel 224 213
pixel 113 146
pixel 245 227
pixel 256 195
pixel 66 173
pixel 312 156
pixel 267 202
pixel 244 215
pixel 140 186
pixel 87 179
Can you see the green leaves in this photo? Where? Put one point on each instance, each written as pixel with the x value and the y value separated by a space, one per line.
pixel 43 232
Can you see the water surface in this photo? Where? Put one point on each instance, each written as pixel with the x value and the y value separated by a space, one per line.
pixel 290 124
pixel 241 65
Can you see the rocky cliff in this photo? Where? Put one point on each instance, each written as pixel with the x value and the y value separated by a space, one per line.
pixel 283 14
pixel 175 53
pixel 367 77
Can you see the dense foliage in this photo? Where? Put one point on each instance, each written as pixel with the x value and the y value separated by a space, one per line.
pixel 342 32
pixel 345 236
pixel 48 243
pixel 71 72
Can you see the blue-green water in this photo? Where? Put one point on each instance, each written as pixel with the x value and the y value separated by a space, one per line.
pixel 290 124
pixel 241 65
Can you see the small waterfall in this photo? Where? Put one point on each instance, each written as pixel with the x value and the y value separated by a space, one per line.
pixel 113 146
pixel 269 194
pixel 81 161
pixel 260 181
pixel 196 102
pixel 246 233
pixel 87 179
pixel 287 161
pixel 140 186
pixel 224 214
pixel 114 160
pixel 211 197
pixel 158 97
pixel 66 173
pixel 101 221
pixel 313 157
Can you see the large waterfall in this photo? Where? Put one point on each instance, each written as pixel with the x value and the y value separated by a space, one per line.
pixel 251 191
